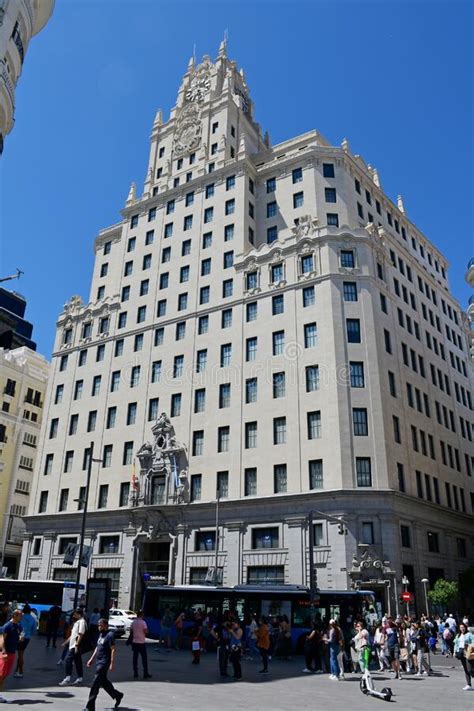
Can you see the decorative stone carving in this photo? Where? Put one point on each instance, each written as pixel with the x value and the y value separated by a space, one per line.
pixel 306 226
pixel 188 132
pixel 160 462
pixel 74 305
pixel 132 195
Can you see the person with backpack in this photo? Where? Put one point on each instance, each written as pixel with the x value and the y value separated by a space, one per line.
pixel 447 640
pixel 29 625
pixel 73 656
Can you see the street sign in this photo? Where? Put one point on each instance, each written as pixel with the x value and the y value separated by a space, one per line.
pixel 406 596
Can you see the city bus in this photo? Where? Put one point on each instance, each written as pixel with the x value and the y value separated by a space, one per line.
pixel 294 601
pixel 40 594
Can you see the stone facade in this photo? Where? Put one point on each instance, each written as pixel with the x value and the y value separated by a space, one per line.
pixel 20 20
pixel 263 322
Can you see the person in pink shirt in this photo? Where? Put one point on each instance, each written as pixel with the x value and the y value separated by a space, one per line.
pixel 138 632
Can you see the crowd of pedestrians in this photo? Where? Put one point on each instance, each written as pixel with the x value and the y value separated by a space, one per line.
pixel 401 645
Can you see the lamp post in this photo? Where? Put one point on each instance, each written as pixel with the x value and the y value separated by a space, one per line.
pixel 425 582
pixel 85 502
pixel 406 583
pixel 216 561
pixel 312 570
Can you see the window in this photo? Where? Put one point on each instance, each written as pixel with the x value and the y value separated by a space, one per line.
pixel 272 234
pixel 103 496
pixel 187 222
pixel 308 296
pixel 461 547
pixel 330 194
pixel 124 493
pixel 226 354
pixel 356 369
pixel 156 371
pixel 100 295
pixel 405 535
pixel 251 348
pixel 205 541
pixel 332 218
pixel 314 424
pixel 63 363
pixel 201 360
pixel 58 395
pixel 251 311
pixel 315 473
pixel 141 314
pixel 278 342
pixel 227 288
pixel 230 182
pixel 359 421
pixel 107 456
pixel 224 395
pixel 228 259
pixel 350 291
pixel 228 233
pixel 168 232
pixel 222 485
pixel 297 175
pixel 271 185
pixel 96 385
pixel 368 533
pixel 266 575
pixel 176 405
pixel 48 464
pixel 251 387
pixel 68 460
pixel 131 244
pixel 149 237
pixel 279 479
pixel 223 438
pixel 43 502
pixel 122 319
pixel 206 266
pixel 310 334
pixel 251 280
pixel 135 376
pixel 250 483
pixel 164 280
pixel 209 190
pixel 198 443
pixel 433 542
pixel 206 241
pixel 328 170
pixel 226 318
pixel 203 325
pixel 312 378
pixel 278 380
pixel 396 429
pixel 82 358
pixel 204 294
pixel 73 422
pixel 279 430
pixel 128 269
pixel 360 210
pixel 363 471
pixel 178 365
pixel 250 435
pixel 353 330
pixel 298 200
pixel 107 247
pixel 127 457
pixel 138 342
pixel 92 420
pixel 199 400
pixel 134 221
pixel 271 208
pixel 265 537
pixel 388 341
pixel 307 264
pixel 182 301
pixel 392 385
pixel 230 206
pixel 180 330
pixel 111 417
pixel 144 287
pixel 208 214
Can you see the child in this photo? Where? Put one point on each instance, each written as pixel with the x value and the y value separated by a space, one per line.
pixel 432 642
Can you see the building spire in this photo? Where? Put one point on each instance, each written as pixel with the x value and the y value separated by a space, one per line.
pixel 132 195
pixel 400 204
pixel 223 47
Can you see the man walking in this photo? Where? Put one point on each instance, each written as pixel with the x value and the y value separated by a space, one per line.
pixel 74 653
pixel 54 617
pixel 104 655
pixel 11 639
pixel 138 633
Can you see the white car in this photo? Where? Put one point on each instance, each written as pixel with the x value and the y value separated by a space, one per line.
pixel 124 616
pixel 117 626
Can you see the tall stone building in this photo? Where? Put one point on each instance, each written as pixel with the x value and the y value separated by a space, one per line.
pixel 20 20
pixel 263 322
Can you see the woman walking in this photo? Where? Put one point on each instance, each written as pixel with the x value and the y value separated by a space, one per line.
pixel 29 625
pixel 262 634
pixel 463 644
pixel 334 642
pixel 235 655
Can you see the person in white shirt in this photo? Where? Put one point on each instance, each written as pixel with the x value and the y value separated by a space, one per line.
pixel 74 654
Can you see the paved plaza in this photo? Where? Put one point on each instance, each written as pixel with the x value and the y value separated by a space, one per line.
pixel 181 686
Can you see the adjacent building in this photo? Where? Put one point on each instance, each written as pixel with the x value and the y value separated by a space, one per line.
pixel 264 325
pixel 20 20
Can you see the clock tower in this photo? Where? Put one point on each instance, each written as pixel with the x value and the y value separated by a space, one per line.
pixel 212 123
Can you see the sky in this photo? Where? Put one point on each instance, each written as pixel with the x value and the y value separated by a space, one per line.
pixel 395 78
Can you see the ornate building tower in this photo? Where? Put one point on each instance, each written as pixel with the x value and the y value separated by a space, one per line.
pixel 264 325
pixel 20 20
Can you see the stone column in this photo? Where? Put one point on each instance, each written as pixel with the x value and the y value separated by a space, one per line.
pixel 129 571
pixel 45 571
pixel 182 536
pixel 297 544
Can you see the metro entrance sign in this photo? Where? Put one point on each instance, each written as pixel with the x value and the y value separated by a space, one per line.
pixel 406 596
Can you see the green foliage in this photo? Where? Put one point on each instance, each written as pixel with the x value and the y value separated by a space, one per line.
pixel 444 592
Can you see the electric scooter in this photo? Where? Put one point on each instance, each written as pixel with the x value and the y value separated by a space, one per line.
pixel 367 683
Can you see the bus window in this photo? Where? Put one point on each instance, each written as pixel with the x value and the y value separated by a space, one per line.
pixel 335 613
pixel 276 608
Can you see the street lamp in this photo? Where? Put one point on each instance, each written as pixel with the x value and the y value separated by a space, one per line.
pixel 85 501
pixel 425 582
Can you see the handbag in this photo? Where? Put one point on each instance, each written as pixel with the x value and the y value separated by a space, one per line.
pixel 403 654
pixel 129 638
pixel 470 652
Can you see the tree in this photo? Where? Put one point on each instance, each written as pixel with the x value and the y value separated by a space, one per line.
pixel 444 592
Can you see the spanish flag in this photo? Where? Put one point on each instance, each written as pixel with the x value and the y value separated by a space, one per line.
pixel 135 485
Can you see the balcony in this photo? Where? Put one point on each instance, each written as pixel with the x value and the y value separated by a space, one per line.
pixel 469 276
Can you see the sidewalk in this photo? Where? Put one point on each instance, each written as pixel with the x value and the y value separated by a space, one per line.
pixel 181 686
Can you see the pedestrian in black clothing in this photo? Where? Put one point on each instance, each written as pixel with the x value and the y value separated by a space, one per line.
pixel 220 633
pixel 104 655
pixel 54 616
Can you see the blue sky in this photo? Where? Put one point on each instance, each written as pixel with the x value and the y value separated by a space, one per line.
pixel 394 78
